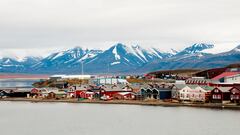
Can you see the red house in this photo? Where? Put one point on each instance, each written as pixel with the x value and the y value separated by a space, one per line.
pixel 79 92
pixel 124 96
pixel 219 94
pixel 117 91
pixel 34 92
pixel 235 94
pixel 84 94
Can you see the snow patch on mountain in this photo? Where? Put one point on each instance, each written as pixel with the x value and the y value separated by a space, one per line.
pixel 117 57
pixel 139 53
pixel 57 55
pixel 219 48
pixel 173 51
pixel 237 49
pixel 115 63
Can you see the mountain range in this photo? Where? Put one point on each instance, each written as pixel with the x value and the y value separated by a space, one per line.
pixel 121 59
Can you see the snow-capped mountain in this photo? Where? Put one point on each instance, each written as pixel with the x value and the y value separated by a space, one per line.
pixel 197 48
pixel 196 58
pixel 15 64
pixel 123 58
pixel 235 50
pixel 65 60
pixel 173 52
pixel 120 58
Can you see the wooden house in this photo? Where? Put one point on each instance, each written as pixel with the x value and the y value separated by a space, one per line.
pixel 80 91
pixel 184 93
pixel 109 91
pixel 235 94
pixel 124 96
pixel 165 91
pixel 200 94
pixel 156 91
pixel 34 92
pixel 43 92
pixel 85 94
pixel 51 95
pixel 175 90
pixel 58 94
pixel 220 94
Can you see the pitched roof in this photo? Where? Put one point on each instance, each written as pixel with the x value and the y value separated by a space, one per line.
pixel 225 74
pixel 224 89
pixel 180 86
pixel 192 86
pixel 207 88
pixel 117 87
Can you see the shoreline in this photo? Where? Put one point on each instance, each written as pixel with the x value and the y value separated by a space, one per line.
pixel 130 102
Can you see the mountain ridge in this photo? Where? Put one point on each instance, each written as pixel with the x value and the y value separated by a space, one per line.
pixel 121 58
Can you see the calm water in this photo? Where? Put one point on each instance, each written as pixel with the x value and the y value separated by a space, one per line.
pixel 24 118
pixel 17 83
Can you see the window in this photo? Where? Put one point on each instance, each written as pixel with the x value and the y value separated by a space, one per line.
pixel 234 96
pixel 216 96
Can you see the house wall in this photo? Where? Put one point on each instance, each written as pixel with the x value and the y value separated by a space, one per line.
pixel 165 95
pixel 232 79
pixel 175 94
pixel 184 94
pixel 216 96
pixel 83 94
pixel 235 95
pixel 198 94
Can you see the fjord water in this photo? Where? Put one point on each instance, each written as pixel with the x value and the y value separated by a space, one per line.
pixel 25 118
pixel 17 82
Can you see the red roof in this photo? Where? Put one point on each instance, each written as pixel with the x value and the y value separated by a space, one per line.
pixel 225 74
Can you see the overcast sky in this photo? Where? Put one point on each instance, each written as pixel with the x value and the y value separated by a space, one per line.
pixel 37 27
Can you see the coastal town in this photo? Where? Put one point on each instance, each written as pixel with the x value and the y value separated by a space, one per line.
pixel 213 87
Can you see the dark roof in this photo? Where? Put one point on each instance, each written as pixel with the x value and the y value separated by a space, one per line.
pixel 211 73
pixel 223 89
pixel 176 71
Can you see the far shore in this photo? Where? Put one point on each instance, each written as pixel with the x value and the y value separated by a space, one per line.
pixel 132 102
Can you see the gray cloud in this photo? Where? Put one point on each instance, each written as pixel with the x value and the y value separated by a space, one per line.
pixel 55 24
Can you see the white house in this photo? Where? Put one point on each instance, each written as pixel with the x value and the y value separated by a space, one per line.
pixel 184 93
pixel 109 81
pixel 232 79
pixel 175 90
pixel 198 94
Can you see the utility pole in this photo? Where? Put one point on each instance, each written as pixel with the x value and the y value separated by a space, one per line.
pixel 82 67
pixel 108 67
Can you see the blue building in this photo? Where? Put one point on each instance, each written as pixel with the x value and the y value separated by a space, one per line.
pixel 156 91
